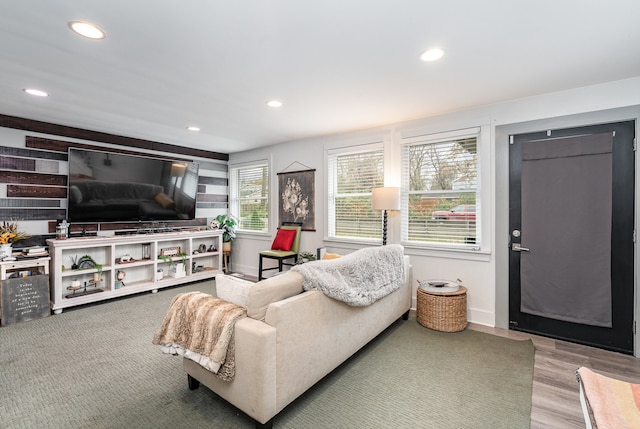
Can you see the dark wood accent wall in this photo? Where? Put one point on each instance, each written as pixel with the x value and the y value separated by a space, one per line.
pixel 36 188
pixel 100 137
pixel 213 198
pixel 208 199
pixel 63 146
pixel 31 195
pixel 36 191
pixel 32 178
pixel 213 181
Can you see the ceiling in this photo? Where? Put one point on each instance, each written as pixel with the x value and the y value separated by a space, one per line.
pixel 337 65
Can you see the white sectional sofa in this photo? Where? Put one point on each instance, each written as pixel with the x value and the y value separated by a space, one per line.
pixel 291 339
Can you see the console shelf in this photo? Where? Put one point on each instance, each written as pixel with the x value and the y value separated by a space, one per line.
pixel 129 264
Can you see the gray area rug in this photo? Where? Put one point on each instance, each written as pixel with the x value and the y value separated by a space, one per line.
pixel 95 367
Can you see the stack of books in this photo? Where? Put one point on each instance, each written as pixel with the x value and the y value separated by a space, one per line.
pixel 35 251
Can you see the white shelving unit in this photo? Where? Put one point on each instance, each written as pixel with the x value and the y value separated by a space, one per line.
pixel 140 274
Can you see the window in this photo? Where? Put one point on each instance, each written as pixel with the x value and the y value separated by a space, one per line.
pixel 190 180
pixel 249 193
pixel 440 190
pixel 352 173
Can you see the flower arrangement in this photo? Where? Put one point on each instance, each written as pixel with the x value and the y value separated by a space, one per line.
pixel 294 201
pixel 305 257
pixel 9 233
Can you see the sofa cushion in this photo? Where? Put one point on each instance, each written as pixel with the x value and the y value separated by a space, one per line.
pixel 284 239
pixel 164 200
pixel 328 256
pixel 271 290
pixel 233 289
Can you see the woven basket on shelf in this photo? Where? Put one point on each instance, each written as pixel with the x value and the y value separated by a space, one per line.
pixel 442 311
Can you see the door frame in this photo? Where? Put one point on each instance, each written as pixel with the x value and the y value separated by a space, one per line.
pixel 501 226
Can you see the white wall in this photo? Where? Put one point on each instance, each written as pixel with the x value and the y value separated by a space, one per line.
pixel 482 272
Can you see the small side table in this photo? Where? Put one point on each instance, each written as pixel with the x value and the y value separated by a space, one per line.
pixel 442 311
pixel 226 260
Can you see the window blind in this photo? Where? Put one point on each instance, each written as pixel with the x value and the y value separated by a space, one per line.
pixel 352 175
pixel 249 193
pixel 191 179
pixel 440 191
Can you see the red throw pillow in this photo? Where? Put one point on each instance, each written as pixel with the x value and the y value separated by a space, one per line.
pixel 284 239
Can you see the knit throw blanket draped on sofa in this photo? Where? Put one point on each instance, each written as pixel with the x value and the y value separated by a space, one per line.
pixel 200 327
pixel 359 278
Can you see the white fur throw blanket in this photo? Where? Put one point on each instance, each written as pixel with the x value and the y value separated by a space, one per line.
pixel 200 327
pixel 359 278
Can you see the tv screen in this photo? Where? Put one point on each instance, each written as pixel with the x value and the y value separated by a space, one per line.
pixel 113 187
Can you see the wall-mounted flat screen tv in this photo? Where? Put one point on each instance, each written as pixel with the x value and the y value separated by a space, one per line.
pixel 114 187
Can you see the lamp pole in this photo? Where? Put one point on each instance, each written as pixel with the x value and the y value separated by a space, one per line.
pixel 384 227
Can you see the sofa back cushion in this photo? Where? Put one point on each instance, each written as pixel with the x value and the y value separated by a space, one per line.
pixel 96 190
pixel 271 290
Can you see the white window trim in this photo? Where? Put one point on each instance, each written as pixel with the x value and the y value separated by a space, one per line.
pixel 234 208
pixel 483 196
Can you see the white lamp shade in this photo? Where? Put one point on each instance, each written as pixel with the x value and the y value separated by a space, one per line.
pixel 178 170
pixel 387 198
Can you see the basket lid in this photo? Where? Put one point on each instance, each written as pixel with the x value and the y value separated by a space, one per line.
pixel 439 285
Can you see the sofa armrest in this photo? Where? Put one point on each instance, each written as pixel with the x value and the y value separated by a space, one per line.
pixel 253 390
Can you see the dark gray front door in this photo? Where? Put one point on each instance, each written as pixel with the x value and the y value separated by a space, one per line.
pixel 571 271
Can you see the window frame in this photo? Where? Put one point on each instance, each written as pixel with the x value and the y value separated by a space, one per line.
pixel 434 138
pixel 190 178
pixel 331 184
pixel 234 195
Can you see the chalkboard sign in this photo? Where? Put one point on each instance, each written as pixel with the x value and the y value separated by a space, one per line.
pixel 25 298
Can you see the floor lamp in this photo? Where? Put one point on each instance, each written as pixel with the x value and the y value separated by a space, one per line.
pixel 177 171
pixel 387 198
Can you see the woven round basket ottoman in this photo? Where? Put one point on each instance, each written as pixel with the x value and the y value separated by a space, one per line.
pixel 442 311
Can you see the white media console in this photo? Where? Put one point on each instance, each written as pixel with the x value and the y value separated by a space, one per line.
pixel 122 265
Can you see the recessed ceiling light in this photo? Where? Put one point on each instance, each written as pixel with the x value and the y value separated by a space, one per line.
pixel 274 103
pixel 193 128
pixel 35 92
pixel 87 29
pixel 432 54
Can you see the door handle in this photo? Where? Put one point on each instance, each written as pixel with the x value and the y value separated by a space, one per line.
pixel 517 247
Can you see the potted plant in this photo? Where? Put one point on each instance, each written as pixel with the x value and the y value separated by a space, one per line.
pixel 305 257
pixel 9 234
pixel 97 276
pixel 227 223
pixel 179 267
pixel 176 269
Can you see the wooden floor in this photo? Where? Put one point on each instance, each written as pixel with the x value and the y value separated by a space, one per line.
pixel 555 402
